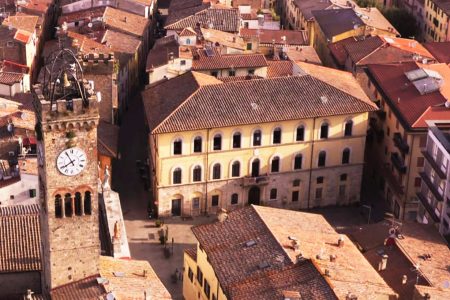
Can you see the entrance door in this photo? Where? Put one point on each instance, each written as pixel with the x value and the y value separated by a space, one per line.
pixel 255 168
pixel 253 195
pixel 176 207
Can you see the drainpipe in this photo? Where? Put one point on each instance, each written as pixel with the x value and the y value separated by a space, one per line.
pixel 311 161
pixel 407 174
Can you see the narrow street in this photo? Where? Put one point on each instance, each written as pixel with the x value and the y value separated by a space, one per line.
pixel 143 236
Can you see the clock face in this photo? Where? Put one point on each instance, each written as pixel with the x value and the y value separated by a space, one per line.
pixel 71 162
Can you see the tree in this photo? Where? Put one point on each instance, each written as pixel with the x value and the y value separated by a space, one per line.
pixel 402 20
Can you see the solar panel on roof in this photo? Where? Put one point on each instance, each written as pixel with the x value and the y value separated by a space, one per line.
pixel 426 85
pixel 416 74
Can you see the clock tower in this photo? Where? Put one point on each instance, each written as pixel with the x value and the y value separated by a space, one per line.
pixel 67 116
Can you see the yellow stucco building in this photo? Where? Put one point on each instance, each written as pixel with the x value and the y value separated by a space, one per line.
pixel 293 142
pixel 437 15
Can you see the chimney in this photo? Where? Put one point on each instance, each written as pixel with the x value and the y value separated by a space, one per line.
pixel 222 215
pixel 125 19
pixel 383 262
pixel 341 242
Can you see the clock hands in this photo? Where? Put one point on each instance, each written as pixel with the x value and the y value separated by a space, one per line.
pixel 71 161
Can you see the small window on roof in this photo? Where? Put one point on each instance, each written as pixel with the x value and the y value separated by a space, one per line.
pixel 250 243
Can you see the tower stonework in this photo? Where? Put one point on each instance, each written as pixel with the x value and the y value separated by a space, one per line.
pixel 68 174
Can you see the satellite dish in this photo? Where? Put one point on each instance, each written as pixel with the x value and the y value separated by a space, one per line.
pixel 446 284
pixel 23 115
pixel 90 24
pixel 110 296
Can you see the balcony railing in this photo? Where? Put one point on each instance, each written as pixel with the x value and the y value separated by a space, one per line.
pixel 400 143
pixel 428 207
pixel 433 164
pixel 398 163
pixel 259 180
pixel 431 186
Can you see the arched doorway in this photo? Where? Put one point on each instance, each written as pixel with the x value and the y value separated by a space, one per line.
pixel 254 195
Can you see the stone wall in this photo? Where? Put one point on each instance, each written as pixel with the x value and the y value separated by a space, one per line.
pixel 71 244
pixel 283 182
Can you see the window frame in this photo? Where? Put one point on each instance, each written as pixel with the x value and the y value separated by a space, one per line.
pixel 273 194
pixel 324 134
pixel 195 176
pixel 259 141
pixel 180 176
pixel 348 128
pixel 322 156
pixel 275 167
pixel 217 137
pixel 276 136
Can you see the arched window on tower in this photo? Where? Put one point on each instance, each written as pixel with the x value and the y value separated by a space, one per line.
pixel 87 203
pixel 68 208
pixel 78 204
pixel 58 206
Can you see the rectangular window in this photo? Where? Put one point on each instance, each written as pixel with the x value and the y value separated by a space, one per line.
pixel 320 180
pixel 417 182
pixel 298 162
pixel 215 200
pixel 319 193
pixel 183 62
pixel 237 140
pixel 277 136
pixel 273 194
pixel 207 289
pixel 295 196
pixel 423 141
pixel 300 134
pixel 196 203
pixel 275 165
pixel 420 162
pixel 214 73
pixel 231 73
pixel 324 131
pixel 199 276
pixel 190 275
pixel 296 182
pixel 343 177
pixel 249 46
pixel 177 146
pixel 251 72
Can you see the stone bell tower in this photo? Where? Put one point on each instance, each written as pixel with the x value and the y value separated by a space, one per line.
pixel 67 116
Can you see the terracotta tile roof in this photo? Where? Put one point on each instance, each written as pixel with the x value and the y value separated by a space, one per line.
pixel 425 239
pixel 358 50
pixel 87 46
pixel 245 102
pixel 289 37
pixel 139 278
pixel 86 289
pixel 333 22
pixel 188 32
pixel 226 61
pixel 394 84
pixel 9 78
pixel 341 80
pixel 307 6
pixel 437 293
pixel 239 78
pixel 279 68
pixel 432 113
pixel 108 139
pixel 180 9
pixel 223 38
pixel 301 279
pixel 82 15
pixel 221 19
pixel 374 18
pixel 159 54
pixel 38 7
pixel 123 45
pixel 377 50
pixel 225 244
pixel 22 36
pixel 124 21
pixel 304 54
pixel 440 50
pixel 27 23
pixel 20 239
pixel 350 272
pixel 192 252
pixel 157 107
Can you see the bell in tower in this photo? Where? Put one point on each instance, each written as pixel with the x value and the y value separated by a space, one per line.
pixel 67 114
